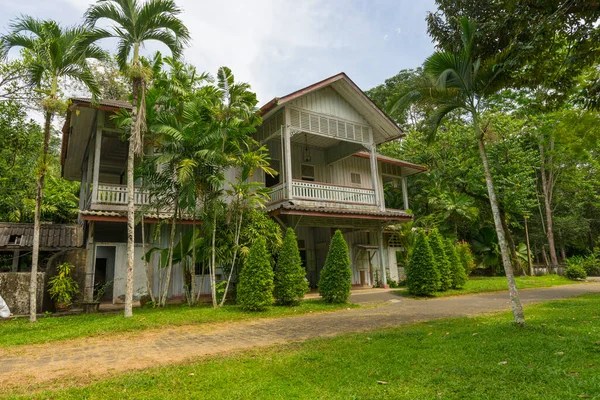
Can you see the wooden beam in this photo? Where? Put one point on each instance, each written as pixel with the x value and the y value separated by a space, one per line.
pixel 375 173
pixel 382 259
pixel 405 193
pixel 15 261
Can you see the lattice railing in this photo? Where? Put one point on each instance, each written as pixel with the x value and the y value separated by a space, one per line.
pixel 327 192
pixel 330 126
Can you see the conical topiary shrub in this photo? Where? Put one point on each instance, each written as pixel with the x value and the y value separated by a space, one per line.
pixel 336 276
pixel 436 242
pixel 290 282
pixel 255 286
pixel 457 270
pixel 422 277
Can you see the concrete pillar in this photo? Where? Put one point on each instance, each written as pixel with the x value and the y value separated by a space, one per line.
pixel 15 261
pixel 382 260
pixel 88 291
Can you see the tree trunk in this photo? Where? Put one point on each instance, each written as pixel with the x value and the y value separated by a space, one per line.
pixel 147 264
pixel 515 302
pixel 36 221
pixel 547 189
pixel 165 292
pixel 235 251
pixel 131 203
pixel 213 288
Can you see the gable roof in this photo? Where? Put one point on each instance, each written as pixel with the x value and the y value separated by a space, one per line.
pixel 384 128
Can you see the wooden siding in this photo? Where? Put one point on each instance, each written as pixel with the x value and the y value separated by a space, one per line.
pixel 327 101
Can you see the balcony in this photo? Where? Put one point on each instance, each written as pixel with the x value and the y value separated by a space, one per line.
pixel 115 197
pixel 325 192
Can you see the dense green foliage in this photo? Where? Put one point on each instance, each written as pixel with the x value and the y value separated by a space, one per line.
pixel 457 270
pixel 336 276
pixel 465 256
pixel 290 282
pixel 575 269
pixel 440 259
pixel 255 287
pixel 62 287
pixel 441 358
pixel 422 275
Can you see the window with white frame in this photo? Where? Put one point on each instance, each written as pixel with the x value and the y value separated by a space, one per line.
pixel 307 172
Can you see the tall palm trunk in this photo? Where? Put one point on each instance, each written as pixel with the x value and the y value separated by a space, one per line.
pixel 213 284
pixel 131 202
pixel 238 230
pixel 36 222
pixel 547 189
pixel 146 263
pixel 515 302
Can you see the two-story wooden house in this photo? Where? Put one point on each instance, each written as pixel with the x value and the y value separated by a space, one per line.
pixel 322 140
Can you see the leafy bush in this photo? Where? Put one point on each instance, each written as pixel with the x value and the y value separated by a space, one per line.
pixel 591 264
pixel 575 269
pixel 290 282
pixel 436 242
pixel 422 277
pixel 336 276
pixel 255 287
pixel 62 287
pixel 457 271
pixel 465 256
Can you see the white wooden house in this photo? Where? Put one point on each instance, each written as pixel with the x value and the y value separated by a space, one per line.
pixel 322 141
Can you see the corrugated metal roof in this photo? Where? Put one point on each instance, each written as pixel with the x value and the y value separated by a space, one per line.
pixel 103 102
pixel 387 214
pixel 52 236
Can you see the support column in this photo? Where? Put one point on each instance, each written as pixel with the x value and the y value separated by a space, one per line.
pixel 375 176
pixel 382 259
pixel 405 193
pixel 15 261
pixel 287 155
pixel 88 292
pixel 97 147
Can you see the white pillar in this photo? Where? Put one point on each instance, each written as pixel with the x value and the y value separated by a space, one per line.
pixel 96 176
pixel 287 155
pixel 375 176
pixel 405 193
pixel 382 259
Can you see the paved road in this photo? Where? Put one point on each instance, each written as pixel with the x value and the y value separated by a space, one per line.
pixel 84 359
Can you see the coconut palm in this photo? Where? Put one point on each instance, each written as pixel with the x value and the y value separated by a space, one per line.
pixel 53 53
pixel 461 82
pixel 134 23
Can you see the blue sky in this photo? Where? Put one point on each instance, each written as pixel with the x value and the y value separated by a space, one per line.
pixel 279 46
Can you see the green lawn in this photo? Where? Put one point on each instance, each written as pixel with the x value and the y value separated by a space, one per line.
pixel 496 283
pixel 22 332
pixel 556 356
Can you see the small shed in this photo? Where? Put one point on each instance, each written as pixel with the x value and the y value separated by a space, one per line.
pixel 16 238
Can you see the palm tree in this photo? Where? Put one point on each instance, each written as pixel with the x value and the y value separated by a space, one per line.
pixel 461 82
pixel 135 23
pixel 54 53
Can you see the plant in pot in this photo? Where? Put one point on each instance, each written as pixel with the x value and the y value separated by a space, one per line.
pixel 62 287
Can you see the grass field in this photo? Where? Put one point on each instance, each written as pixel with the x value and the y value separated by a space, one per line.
pixel 21 332
pixel 496 283
pixel 556 356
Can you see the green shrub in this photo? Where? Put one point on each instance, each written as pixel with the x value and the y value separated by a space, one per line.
pixel 290 282
pixel 422 277
pixel 465 256
pixel 62 287
pixel 575 269
pixel 436 242
pixel 336 276
pixel 457 271
pixel 255 287
pixel 591 264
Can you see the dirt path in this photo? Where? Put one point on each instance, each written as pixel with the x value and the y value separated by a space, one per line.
pixel 86 359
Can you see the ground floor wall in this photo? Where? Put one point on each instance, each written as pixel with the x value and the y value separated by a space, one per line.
pixel 14 289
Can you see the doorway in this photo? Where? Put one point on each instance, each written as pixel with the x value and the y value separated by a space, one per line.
pixel 104 272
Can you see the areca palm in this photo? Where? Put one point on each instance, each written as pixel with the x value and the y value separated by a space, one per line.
pixel 54 53
pixel 461 82
pixel 134 23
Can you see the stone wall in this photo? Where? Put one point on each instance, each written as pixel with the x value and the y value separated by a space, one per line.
pixel 14 289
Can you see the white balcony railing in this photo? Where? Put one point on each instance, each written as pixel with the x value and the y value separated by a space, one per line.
pixel 277 193
pixel 335 193
pixel 117 195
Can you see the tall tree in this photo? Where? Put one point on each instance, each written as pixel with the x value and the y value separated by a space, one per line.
pixel 134 23
pixel 459 82
pixel 53 53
